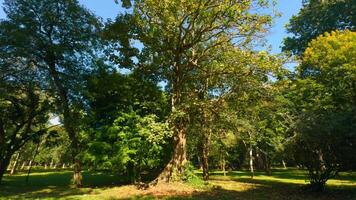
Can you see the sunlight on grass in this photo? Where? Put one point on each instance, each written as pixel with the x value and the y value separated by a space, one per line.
pixel 236 185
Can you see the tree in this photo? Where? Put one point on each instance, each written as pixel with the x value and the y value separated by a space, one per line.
pixel 59 39
pixel 131 144
pixel 317 17
pixel 177 37
pixel 324 96
pixel 24 114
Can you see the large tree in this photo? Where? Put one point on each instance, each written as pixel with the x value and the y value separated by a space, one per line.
pixel 324 95
pixel 178 37
pixel 317 17
pixel 24 111
pixel 58 38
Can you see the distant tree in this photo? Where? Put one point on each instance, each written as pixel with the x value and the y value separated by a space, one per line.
pixel 317 17
pixel 59 39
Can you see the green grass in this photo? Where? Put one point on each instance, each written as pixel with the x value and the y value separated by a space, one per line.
pixel 283 184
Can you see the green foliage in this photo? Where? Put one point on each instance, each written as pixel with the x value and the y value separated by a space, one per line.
pixel 324 97
pixel 317 17
pixel 131 144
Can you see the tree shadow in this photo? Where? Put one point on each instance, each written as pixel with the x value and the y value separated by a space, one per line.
pixel 56 184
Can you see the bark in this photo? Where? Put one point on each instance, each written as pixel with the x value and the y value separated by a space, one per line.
pixel 175 168
pixel 77 177
pixel 251 162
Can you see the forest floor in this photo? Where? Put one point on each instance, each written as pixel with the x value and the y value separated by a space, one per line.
pixel 282 184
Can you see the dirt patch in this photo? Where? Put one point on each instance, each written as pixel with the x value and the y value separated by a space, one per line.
pixel 159 190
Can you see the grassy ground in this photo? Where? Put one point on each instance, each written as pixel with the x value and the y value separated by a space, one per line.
pixel 283 184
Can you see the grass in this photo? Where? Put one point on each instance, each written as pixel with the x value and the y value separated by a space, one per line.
pixel 283 184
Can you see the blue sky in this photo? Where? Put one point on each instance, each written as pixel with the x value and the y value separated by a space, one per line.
pixel 108 9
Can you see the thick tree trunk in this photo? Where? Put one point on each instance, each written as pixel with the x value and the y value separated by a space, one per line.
pixel 4 163
pixel 14 166
pixel 175 168
pixel 68 119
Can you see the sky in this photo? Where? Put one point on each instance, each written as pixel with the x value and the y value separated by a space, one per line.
pixel 108 9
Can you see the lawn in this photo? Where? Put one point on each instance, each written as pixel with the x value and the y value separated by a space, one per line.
pixel 283 184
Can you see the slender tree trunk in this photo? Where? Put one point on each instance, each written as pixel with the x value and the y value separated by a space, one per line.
pixel 29 164
pixel 14 166
pixel 34 156
pixel 284 164
pixel 23 165
pixel 251 161
pixel 205 159
pixel 51 165
pixel 224 165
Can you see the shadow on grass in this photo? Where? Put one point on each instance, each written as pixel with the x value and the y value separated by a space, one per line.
pixel 237 185
pixel 55 184
pixel 261 192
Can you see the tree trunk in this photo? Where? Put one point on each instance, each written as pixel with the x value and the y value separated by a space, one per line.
pixel 267 165
pixel 29 165
pixel 224 165
pixel 34 156
pixel 14 166
pixel 23 165
pixel 68 119
pixel 175 167
pixel 4 163
pixel 205 159
pixel 284 164
pixel 77 177
pixel 251 161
